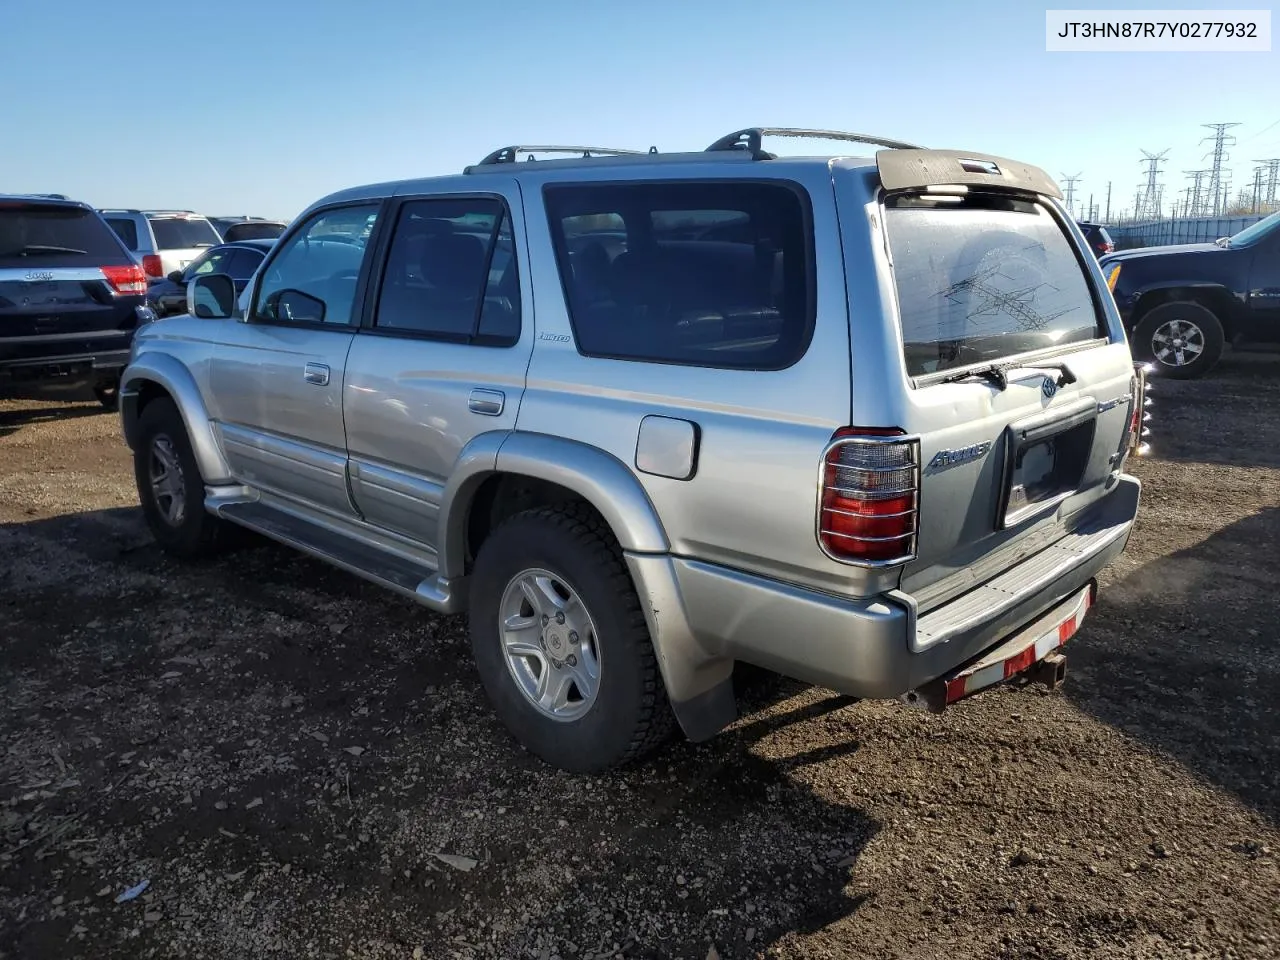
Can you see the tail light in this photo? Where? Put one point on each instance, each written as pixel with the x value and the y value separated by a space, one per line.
pixel 152 266
pixel 125 280
pixel 1139 415
pixel 868 512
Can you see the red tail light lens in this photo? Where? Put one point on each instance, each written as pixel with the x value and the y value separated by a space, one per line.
pixel 125 280
pixel 152 266
pixel 869 509
pixel 1136 441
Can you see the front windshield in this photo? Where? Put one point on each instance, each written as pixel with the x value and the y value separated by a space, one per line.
pixel 1251 235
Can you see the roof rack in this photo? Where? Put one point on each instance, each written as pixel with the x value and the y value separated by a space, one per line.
pixel 509 154
pixel 749 139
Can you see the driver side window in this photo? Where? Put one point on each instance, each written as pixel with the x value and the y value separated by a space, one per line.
pixel 313 278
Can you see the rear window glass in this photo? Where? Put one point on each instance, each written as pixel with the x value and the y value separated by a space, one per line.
pixel 126 230
pixel 709 273
pixel 252 231
pixel 38 236
pixel 173 233
pixel 984 278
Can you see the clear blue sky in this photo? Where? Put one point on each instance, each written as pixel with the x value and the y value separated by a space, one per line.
pixel 262 107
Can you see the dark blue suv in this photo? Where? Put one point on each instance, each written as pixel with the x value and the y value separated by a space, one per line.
pixel 71 297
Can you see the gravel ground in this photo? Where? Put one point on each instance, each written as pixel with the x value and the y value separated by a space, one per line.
pixel 300 765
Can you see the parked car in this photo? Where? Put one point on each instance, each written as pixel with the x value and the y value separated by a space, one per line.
pixel 1182 304
pixel 163 240
pixel 248 228
pixel 71 297
pixel 620 490
pixel 1095 234
pixel 237 260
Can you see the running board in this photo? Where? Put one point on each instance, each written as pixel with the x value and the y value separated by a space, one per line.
pixel 365 559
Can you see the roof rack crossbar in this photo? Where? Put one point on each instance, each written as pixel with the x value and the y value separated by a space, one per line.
pixel 749 139
pixel 509 154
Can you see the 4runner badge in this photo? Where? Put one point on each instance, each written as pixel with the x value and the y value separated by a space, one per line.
pixel 951 458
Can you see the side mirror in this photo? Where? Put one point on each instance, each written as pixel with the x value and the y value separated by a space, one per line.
pixel 298 307
pixel 212 297
pixel 175 276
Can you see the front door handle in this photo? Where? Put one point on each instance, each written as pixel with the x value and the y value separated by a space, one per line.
pixel 487 403
pixel 317 373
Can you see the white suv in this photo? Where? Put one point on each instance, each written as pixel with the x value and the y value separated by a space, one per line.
pixel 163 240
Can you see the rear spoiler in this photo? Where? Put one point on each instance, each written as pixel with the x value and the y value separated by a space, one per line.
pixel 919 169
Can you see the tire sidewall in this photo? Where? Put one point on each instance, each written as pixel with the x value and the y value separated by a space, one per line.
pixel 1196 313
pixel 604 733
pixel 161 417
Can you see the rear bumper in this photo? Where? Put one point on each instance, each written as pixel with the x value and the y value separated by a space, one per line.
pixel 874 648
pixel 64 362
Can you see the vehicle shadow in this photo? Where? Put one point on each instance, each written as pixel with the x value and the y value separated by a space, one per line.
pixel 728 846
pixel 1210 420
pixel 17 413
pixel 1182 655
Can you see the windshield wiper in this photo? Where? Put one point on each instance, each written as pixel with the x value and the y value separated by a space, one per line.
pixel 993 374
pixel 38 249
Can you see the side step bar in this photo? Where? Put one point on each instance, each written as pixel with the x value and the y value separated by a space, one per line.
pixel 362 557
pixel 1032 653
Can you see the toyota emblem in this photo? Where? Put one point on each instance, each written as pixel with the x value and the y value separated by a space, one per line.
pixel 1049 387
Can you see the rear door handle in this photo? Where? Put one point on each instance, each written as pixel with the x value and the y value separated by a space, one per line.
pixel 317 373
pixel 487 403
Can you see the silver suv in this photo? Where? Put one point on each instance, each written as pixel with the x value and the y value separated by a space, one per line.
pixel 163 241
pixel 641 415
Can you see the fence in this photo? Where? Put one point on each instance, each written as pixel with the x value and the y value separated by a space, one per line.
pixel 1156 233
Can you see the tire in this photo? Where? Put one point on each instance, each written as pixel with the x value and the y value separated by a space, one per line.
pixel 189 532
pixel 627 716
pixel 1169 335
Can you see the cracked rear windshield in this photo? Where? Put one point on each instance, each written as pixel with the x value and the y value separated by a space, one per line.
pixel 982 278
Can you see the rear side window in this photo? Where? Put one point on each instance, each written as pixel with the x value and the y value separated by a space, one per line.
pixel 983 278
pixel 451 273
pixel 126 230
pixel 174 233
pixel 705 273
pixel 38 236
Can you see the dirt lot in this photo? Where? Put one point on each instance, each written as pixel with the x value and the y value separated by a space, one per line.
pixel 303 766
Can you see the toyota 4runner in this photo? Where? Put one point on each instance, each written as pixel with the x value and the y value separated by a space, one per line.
pixel 863 422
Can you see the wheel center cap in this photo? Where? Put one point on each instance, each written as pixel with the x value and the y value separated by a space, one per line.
pixel 556 641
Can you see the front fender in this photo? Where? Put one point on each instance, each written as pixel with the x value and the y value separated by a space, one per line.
pixel 169 373
pixel 598 477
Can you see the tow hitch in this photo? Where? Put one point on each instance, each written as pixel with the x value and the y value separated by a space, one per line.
pixel 1031 655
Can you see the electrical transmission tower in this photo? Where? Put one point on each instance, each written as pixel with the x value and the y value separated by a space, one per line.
pixel 1270 174
pixel 1149 193
pixel 1197 206
pixel 1071 182
pixel 1218 194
